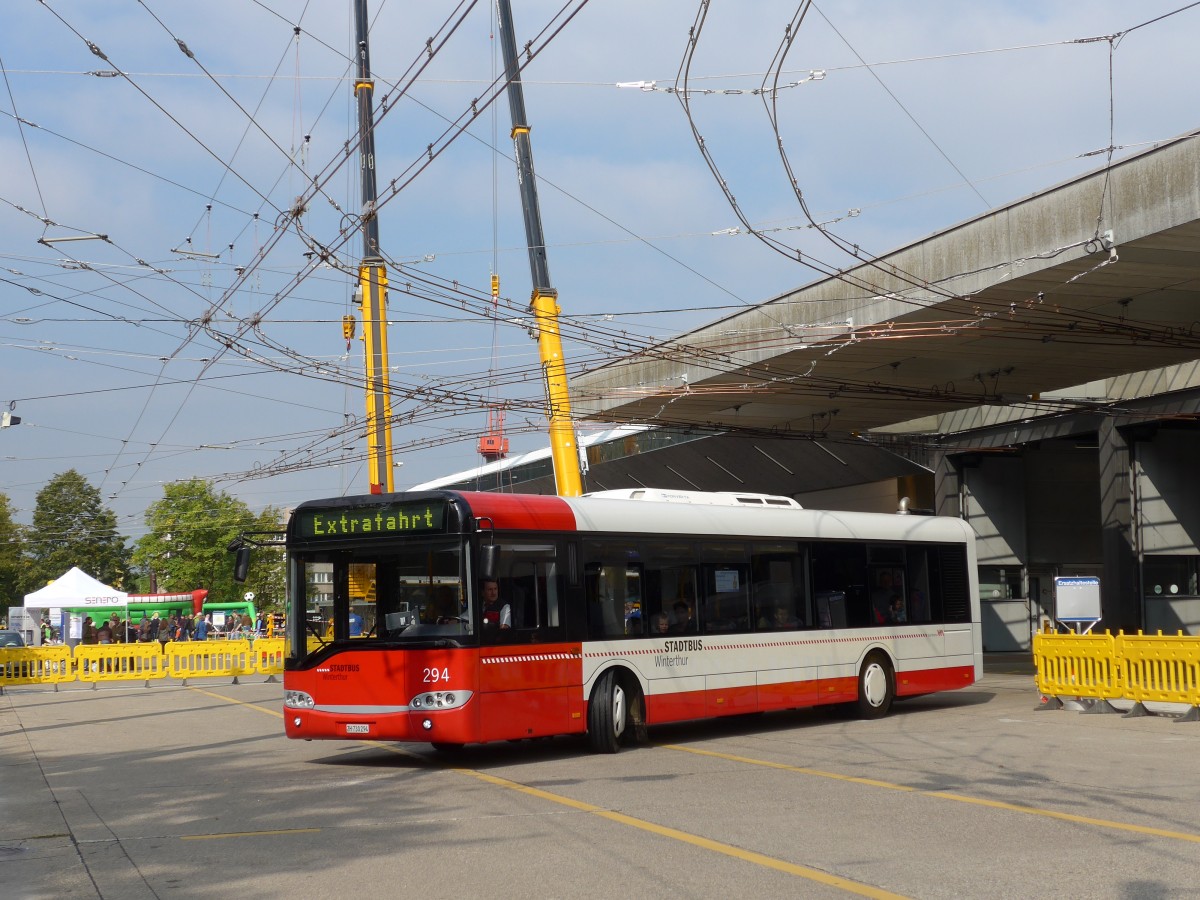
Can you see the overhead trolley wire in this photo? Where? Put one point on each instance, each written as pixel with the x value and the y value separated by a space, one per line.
pixel 37 185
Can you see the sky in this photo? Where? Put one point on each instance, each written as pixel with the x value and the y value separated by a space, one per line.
pixel 213 146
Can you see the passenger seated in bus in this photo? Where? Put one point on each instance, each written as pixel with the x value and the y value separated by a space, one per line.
pixel 633 616
pixel 784 618
pixel 781 617
pixel 896 612
pixel 660 623
pixel 495 613
pixel 684 623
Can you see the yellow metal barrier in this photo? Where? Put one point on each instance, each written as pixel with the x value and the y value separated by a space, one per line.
pixel 209 659
pixel 94 663
pixel 1163 668
pixel 268 656
pixel 119 662
pixel 1078 665
pixel 36 665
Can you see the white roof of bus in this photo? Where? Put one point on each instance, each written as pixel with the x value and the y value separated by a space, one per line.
pixel 707 498
pixel 614 514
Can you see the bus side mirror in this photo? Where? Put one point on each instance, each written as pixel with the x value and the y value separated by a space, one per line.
pixel 487 561
pixel 241 564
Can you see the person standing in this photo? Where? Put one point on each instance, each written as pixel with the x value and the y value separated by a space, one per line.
pixel 90 634
pixel 200 629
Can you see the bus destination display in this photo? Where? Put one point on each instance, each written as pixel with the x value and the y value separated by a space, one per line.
pixel 371 521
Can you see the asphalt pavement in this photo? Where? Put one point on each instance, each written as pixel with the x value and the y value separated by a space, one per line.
pixel 193 792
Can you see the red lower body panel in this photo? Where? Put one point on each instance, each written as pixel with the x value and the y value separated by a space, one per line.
pixel 453 696
pixel 928 681
pixel 685 705
pixel 459 696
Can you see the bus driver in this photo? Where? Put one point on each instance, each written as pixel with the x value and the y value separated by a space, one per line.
pixel 495 613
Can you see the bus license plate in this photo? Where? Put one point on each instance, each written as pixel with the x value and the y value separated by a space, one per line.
pixel 358 728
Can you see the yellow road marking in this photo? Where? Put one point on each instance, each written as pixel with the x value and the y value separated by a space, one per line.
pixel 943 795
pixel 871 782
pixel 1070 817
pixel 270 712
pixel 238 834
pixel 779 865
pixel 759 859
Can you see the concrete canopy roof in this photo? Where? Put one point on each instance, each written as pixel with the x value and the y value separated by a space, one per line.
pixel 1019 301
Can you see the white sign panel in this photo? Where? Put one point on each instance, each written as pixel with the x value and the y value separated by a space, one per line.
pixel 1077 599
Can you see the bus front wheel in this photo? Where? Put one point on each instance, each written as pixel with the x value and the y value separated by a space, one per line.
pixel 876 687
pixel 608 714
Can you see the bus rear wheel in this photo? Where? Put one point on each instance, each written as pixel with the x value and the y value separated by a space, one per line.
pixel 876 687
pixel 608 714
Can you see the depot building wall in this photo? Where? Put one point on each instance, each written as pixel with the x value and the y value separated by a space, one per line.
pixel 1121 501
pixel 1167 504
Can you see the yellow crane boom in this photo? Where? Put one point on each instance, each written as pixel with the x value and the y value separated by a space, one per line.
pixel 543 304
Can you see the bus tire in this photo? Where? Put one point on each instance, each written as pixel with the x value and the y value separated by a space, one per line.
pixel 608 714
pixel 876 686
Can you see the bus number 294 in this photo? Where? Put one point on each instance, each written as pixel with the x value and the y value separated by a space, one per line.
pixel 433 676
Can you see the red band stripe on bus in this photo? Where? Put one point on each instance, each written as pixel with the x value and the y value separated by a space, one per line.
pixel 535 657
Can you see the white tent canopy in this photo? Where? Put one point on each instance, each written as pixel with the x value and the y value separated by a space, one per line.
pixel 75 589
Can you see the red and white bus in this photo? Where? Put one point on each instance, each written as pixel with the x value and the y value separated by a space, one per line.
pixel 622 609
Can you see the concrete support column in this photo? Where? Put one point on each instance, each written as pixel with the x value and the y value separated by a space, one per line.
pixel 1120 592
pixel 947 500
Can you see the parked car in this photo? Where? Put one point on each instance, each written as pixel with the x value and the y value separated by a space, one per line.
pixel 10 638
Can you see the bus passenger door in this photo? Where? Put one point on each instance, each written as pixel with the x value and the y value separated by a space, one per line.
pixel 528 673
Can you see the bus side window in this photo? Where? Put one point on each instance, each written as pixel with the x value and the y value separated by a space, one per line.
pixel 532 593
pixel 613 587
pixel 527 574
pixel 839 575
pixel 779 591
pixel 669 589
pixel 603 613
pixel 726 598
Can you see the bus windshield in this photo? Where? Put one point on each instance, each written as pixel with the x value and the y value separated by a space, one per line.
pixel 413 591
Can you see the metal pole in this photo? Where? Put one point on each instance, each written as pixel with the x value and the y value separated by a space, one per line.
pixel 372 276
pixel 543 303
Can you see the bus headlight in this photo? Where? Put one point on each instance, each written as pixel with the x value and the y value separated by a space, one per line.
pixel 298 700
pixel 440 700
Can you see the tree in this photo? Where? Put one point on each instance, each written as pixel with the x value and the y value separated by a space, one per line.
pixel 187 546
pixel 72 527
pixel 268 572
pixel 12 545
